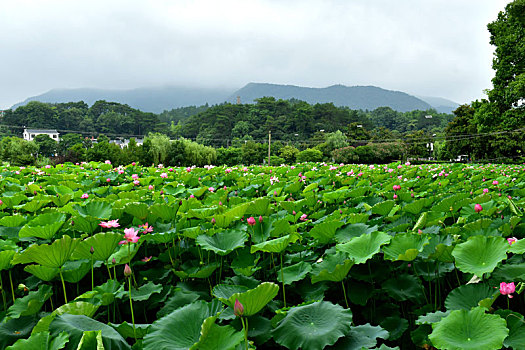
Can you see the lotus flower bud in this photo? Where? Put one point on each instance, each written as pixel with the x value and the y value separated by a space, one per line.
pixel 113 261
pixel 260 219
pixel 92 250
pixel 251 221
pixel 478 208
pixel 213 221
pixel 238 308
pixel 127 270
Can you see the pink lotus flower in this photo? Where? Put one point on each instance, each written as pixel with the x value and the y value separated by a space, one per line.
pixel 108 180
pixel 146 259
pixel 127 270
pixel 395 196
pixel 478 208
pixel 147 228
pixel 84 196
pixel 251 221
pixel 1 202
pixel 192 196
pixel 108 162
pixel 396 187
pixel 133 163
pixel 211 189
pixel 485 190
pixel 150 187
pixel 110 223
pixel 303 217
pixel 164 175
pixel 238 308
pixel 512 240
pixel 134 176
pixel 507 288
pixel 130 236
pixel 495 182
pixel 136 182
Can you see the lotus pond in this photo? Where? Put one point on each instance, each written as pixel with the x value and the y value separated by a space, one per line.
pixel 312 256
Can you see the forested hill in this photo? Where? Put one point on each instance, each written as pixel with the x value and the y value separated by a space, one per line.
pixel 354 97
pixel 155 99
pixel 158 99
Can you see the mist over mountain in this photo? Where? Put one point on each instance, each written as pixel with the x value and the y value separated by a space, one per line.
pixel 158 99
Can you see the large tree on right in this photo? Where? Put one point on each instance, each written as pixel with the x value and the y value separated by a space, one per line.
pixel 505 108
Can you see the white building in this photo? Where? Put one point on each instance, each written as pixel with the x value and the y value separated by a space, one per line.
pixel 30 134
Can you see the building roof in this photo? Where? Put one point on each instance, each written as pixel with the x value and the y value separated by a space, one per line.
pixel 42 131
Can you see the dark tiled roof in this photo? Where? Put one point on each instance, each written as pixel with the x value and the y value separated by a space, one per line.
pixel 42 131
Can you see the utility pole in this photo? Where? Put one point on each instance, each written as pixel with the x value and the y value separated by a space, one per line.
pixel 269 141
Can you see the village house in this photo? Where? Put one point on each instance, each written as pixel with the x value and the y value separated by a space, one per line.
pixel 30 134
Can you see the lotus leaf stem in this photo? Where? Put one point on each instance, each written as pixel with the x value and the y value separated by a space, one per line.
pixel 63 284
pixel 131 308
pixel 282 279
pixel 344 293
pixel 3 292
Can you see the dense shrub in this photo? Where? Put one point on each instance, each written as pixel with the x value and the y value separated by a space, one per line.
pixel 310 155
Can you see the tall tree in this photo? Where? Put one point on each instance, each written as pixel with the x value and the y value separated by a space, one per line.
pixel 505 108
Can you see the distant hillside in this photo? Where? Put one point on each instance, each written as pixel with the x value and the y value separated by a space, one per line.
pixel 355 97
pixel 156 99
pixel 442 105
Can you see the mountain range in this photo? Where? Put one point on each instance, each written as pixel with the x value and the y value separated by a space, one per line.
pixel 158 99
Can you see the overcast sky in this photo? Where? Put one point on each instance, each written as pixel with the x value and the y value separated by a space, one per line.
pixel 431 47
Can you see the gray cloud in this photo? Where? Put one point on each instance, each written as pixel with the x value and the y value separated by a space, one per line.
pixel 431 47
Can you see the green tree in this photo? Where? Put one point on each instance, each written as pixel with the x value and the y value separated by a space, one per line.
pixel 47 147
pixel 506 108
pixel 18 151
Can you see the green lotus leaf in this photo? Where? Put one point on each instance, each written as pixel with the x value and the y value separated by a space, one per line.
pixel 334 267
pixel 76 325
pixel 518 247
pixel 474 329
pixel 325 230
pixel 123 254
pixel 275 245
pixel 215 337
pixel 179 299
pixel 35 204
pixel 223 242
pixel 6 257
pixel 144 292
pixel 346 233
pixel 253 300
pixel 12 221
pixel 404 287
pixel 102 295
pixel 16 328
pixel 313 326
pixel 395 325
pixel 468 296
pixel 88 224
pixel 516 326
pixel 126 330
pixel 233 214
pixel 480 254
pixel 295 272
pixel 73 308
pixel 138 210
pixel 98 209
pixel 43 226
pixel 197 272
pixel 31 303
pixel 166 212
pixel 405 247
pixel 49 255
pixel 258 207
pixel 41 341
pixel 103 243
pixel 42 272
pixel 74 271
pixel 510 272
pixel 364 247
pixel 181 329
pixel 432 317
pixel 383 208
pixel 91 340
pixel 415 207
pixel 225 291
pixel 359 337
